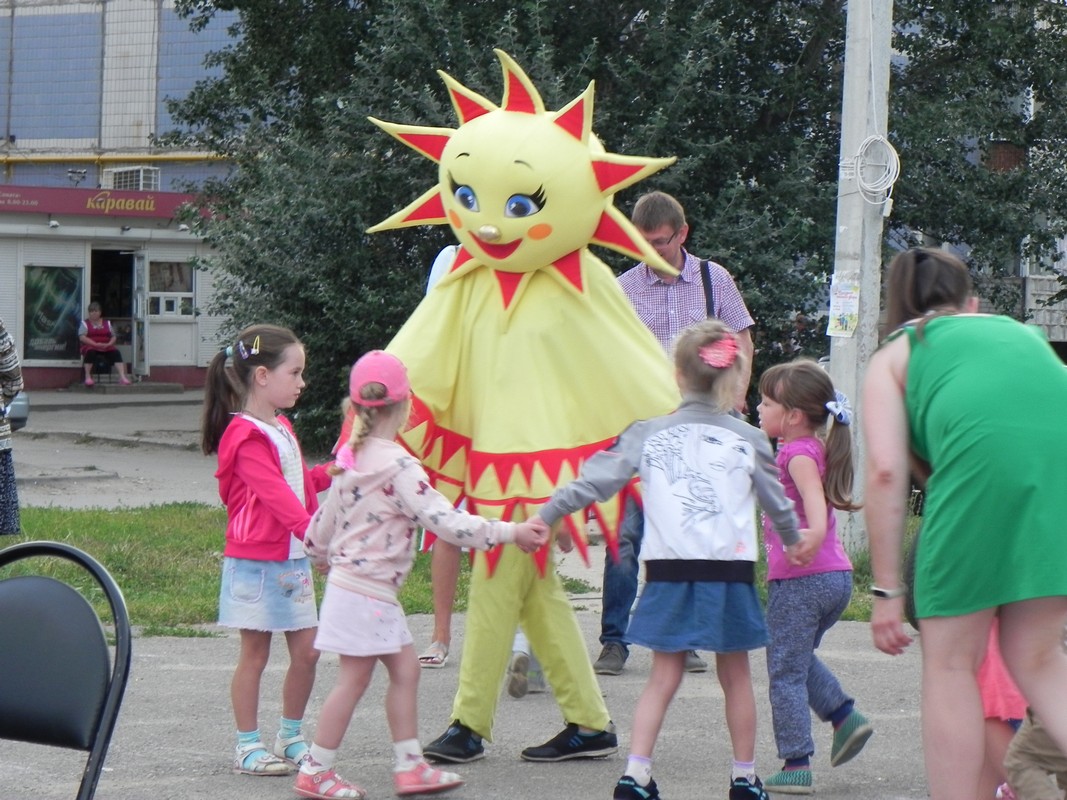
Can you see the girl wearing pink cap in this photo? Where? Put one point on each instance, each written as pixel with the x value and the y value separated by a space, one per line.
pixel 364 535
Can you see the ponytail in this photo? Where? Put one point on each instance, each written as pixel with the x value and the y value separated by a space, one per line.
pixel 221 400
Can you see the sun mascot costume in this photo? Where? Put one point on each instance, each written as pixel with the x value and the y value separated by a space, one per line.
pixel 524 360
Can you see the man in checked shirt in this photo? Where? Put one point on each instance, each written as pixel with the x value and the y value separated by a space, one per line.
pixel 667 304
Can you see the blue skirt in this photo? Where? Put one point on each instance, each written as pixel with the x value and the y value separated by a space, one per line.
pixel 273 596
pixel 707 615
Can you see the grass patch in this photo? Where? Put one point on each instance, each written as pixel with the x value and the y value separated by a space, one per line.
pixel 167 560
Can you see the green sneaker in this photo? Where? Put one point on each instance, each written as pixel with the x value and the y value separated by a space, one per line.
pixel 792 781
pixel 850 738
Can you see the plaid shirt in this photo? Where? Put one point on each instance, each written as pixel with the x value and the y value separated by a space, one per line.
pixel 10 381
pixel 668 308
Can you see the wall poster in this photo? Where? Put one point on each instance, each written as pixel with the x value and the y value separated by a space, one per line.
pixel 52 313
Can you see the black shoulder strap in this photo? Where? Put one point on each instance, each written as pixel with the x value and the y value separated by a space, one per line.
pixel 709 290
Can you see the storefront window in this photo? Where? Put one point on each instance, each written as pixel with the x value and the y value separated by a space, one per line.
pixel 170 289
pixel 52 314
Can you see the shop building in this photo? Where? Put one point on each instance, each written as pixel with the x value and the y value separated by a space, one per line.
pixel 89 205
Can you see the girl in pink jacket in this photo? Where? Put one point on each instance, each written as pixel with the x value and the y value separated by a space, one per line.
pixel 269 495
pixel 364 535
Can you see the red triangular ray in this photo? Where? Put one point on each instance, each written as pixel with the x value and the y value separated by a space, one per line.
pixel 468 106
pixel 433 209
pixel 610 234
pixel 610 175
pixel 583 548
pixel 570 267
pixel 492 558
pixel 451 444
pixel 516 98
pixel 509 283
pixel 572 120
pixel 462 257
pixel 431 145
pixel 477 464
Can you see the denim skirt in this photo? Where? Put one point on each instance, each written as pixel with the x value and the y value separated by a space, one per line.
pixel 273 596
pixel 698 615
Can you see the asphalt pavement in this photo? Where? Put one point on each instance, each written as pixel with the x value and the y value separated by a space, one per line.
pixel 175 733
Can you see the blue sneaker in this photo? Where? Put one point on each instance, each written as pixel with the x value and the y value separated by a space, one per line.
pixel 628 789
pixel 458 745
pixel 744 789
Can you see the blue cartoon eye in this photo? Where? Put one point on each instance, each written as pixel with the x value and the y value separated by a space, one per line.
pixel 521 205
pixel 466 198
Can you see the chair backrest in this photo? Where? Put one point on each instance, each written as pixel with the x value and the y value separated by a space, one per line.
pixel 58 684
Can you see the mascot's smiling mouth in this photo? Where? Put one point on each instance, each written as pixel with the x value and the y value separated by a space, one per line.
pixel 496 251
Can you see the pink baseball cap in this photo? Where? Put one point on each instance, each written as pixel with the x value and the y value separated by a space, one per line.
pixel 378 366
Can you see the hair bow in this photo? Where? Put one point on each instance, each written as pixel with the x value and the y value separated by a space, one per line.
pixel 345 458
pixel 840 408
pixel 720 353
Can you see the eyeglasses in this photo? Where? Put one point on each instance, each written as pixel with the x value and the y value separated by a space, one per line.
pixel 660 243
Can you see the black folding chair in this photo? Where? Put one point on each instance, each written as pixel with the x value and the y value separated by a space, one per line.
pixel 58 684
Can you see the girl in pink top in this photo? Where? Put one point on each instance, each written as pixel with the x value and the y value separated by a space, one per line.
pixel 364 535
pixel 800 407
pixel 269 495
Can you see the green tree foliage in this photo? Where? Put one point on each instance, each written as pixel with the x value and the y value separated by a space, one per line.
pixel 745 94
pixel 976 80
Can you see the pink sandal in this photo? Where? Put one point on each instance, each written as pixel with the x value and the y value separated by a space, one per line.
pixel 424 779
pixel 326 785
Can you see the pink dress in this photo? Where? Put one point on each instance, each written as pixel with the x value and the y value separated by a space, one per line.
pixel 1001 698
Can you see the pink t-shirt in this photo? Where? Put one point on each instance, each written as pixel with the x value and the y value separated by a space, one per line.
pixel 832 556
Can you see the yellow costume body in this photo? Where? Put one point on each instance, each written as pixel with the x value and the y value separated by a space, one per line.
pixel 525 359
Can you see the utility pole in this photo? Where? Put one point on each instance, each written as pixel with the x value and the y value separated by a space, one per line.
pixel 865 165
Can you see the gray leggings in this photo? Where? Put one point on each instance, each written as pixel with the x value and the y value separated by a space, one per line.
pixel 799 612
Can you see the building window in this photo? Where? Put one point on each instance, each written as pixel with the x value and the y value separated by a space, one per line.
pixel 170 289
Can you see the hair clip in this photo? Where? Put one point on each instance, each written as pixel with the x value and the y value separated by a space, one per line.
pixel 720 353
pixel 242 350
pixel 840 408
pixel 255 346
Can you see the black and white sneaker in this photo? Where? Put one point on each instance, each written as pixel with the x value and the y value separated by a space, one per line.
pixel 569 743
pixel 744 789
pixel 629 789
pixel 458 745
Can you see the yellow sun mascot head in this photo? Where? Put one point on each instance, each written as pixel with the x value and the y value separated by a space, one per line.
pixel 527 357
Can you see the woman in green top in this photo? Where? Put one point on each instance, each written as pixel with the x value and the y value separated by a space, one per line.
pixel 977 403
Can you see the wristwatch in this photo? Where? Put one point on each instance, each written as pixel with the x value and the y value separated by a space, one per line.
pixel 888 594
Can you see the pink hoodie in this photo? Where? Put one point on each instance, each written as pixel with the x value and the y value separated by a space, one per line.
pixel 262 510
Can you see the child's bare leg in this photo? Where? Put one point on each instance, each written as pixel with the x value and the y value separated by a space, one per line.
pixel 300 677
pixel 735 678
pixel 401 698
pixel 663 681
pixel 244 687
pixel 1031 642
pixel 998 735
pixel 952 720
pixel 353 678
